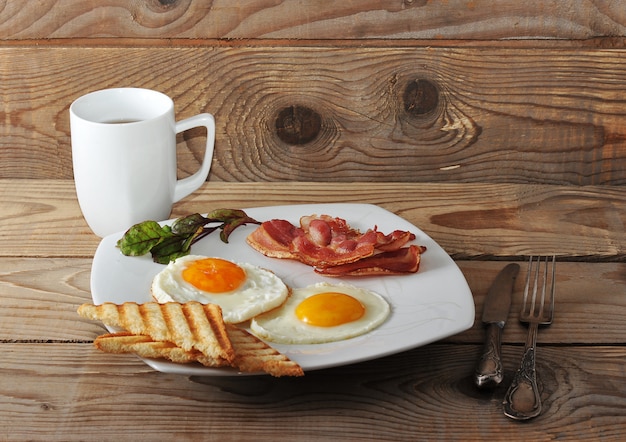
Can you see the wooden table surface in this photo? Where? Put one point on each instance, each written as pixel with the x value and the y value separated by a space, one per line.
pixel 55 385
pixel 501 125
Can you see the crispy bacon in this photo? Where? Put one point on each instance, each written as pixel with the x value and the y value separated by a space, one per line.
pixel 394 241
pixel 340 249
pixel 395 262
pixel 334 248
pixel 273 238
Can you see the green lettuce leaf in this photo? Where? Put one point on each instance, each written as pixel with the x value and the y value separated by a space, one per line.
pixel 167 243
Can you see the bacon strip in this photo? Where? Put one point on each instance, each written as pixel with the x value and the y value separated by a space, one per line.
pixel 404 260
pixel 273 238
pixel 394 241
pixel 334 248
pixel 339 250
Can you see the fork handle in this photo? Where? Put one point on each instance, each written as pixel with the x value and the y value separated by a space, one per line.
pixel 522 400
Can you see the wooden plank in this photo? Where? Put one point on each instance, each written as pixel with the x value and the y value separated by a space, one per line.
pixel 73 392
pixel 41 218
pixel 413 114
pixel 243 19
pixel 39 298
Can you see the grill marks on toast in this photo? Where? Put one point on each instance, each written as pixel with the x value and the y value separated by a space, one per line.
pixel 253 355
pixel 185 333
pixel 207 318
pixel 146 347
pixel 189 326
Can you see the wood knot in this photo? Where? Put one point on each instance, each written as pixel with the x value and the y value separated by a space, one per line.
pixel 421 97
pixel 415 2
pixel 298 125
pixel 161 6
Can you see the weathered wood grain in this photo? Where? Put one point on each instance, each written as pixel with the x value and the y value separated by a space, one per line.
pixel 385 114
pixel 39 298
pixel 497 128
pixel 291 19
pixel 402 397
pixel 41 218
pixel 55 385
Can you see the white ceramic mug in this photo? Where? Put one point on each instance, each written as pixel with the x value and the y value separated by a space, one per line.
pixel 124 157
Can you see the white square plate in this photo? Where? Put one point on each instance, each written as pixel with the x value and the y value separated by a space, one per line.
pixel 426 306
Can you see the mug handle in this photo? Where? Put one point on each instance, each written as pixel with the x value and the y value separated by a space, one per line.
pixel 191 183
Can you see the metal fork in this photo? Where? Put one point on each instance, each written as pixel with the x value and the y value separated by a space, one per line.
pixel 522 400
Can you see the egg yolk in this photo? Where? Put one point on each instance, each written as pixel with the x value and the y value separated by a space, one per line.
pixel 214 275
pixel 329 309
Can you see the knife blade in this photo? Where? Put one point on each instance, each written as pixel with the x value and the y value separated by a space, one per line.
pixel 489 371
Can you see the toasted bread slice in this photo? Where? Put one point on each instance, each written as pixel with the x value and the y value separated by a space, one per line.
pixel 189 326
pixel 253 355
pixel 145 347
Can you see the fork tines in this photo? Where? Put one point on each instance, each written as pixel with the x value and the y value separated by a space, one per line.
pixel 536 308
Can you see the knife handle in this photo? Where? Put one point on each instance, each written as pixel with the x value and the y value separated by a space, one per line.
pixel 489 371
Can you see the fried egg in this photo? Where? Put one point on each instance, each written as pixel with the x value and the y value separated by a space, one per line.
pixel 242 290
pixel 322 313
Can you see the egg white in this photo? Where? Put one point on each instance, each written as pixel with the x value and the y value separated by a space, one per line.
pixel 260 292
pixel 283 326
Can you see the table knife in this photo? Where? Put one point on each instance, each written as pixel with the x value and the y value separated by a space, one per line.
pixel 489 371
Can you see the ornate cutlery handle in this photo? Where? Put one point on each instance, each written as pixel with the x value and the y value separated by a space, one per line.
pixel 522 400
pixel 489 371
